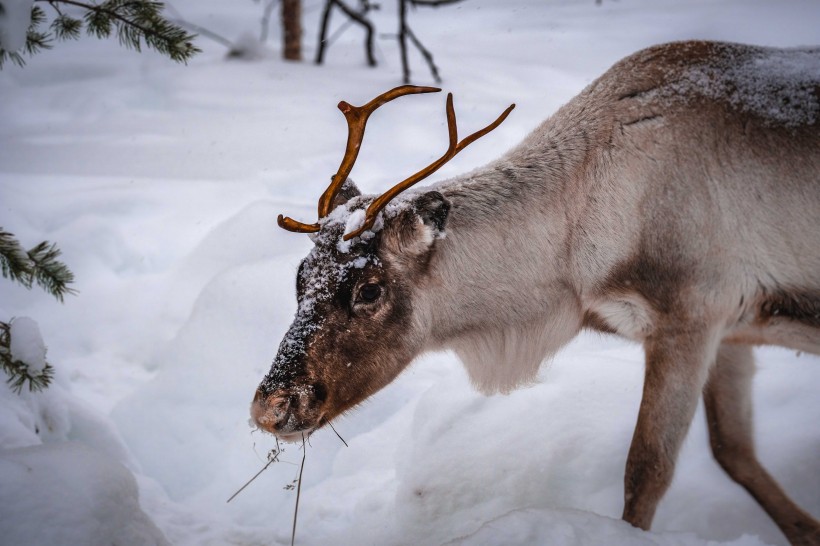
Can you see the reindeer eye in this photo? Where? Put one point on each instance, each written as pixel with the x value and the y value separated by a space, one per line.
pixel 370 292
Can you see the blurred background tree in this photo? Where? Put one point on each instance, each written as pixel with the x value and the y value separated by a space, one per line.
pixel 292 30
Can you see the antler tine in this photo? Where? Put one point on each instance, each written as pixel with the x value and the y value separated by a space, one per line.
pixel 356 117
pixel 454 147
pixel 297 227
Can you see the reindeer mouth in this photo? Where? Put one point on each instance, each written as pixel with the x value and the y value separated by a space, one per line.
pixel 297 436
pixel 294 437
pixel 286 434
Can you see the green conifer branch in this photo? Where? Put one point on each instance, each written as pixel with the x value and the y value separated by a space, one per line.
pixel 137 23
pixel 66 28
pixel 14 261
pixel 52 275
pixel 38 265
pixel 36 40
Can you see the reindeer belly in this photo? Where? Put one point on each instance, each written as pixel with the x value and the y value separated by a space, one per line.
pixel 789 319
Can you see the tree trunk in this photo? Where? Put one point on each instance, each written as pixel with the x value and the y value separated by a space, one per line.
pixel 292 29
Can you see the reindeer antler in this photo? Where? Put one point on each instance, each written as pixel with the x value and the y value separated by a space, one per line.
pixel 380 202
pixel 356 117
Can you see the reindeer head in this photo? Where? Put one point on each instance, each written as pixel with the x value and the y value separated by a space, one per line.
pixel 355 327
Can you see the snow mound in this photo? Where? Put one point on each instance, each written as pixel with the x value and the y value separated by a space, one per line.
pixel 66 493
pixel 572 528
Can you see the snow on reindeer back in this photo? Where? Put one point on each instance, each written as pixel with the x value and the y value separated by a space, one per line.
pixel 781 86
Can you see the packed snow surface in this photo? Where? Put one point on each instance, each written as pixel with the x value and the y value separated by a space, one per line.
pixel 161 183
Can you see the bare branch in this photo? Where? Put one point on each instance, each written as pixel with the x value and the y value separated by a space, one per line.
pixel 266 16
pixel 355 17
pixel 406 32
pixel 433 3
pixel 425 53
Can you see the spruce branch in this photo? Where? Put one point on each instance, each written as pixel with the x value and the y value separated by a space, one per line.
pixel 66 28
pixel 52 275
pixel 137 24
pixel 17 371
pixel 38 265
pixel 14 260
pixel 36 40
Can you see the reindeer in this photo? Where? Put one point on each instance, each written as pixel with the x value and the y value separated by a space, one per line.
pixel 675 202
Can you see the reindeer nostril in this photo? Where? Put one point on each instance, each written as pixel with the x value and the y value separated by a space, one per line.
pixel 320 392
pixel 270 411
pixel 279 405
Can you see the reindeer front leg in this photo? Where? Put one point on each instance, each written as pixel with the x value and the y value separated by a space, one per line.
pixel 677 363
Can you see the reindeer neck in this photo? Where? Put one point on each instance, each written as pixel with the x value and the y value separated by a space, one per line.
pixel 504 259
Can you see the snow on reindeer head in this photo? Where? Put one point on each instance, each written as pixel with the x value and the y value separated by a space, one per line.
pixel 354 329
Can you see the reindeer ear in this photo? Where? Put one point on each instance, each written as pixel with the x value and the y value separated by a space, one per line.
pixel 433 210
pixel 410 236
pixel 348 191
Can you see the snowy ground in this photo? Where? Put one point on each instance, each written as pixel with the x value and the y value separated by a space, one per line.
pixel 161 183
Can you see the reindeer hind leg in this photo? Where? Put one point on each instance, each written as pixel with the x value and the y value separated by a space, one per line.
pixel 727 398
